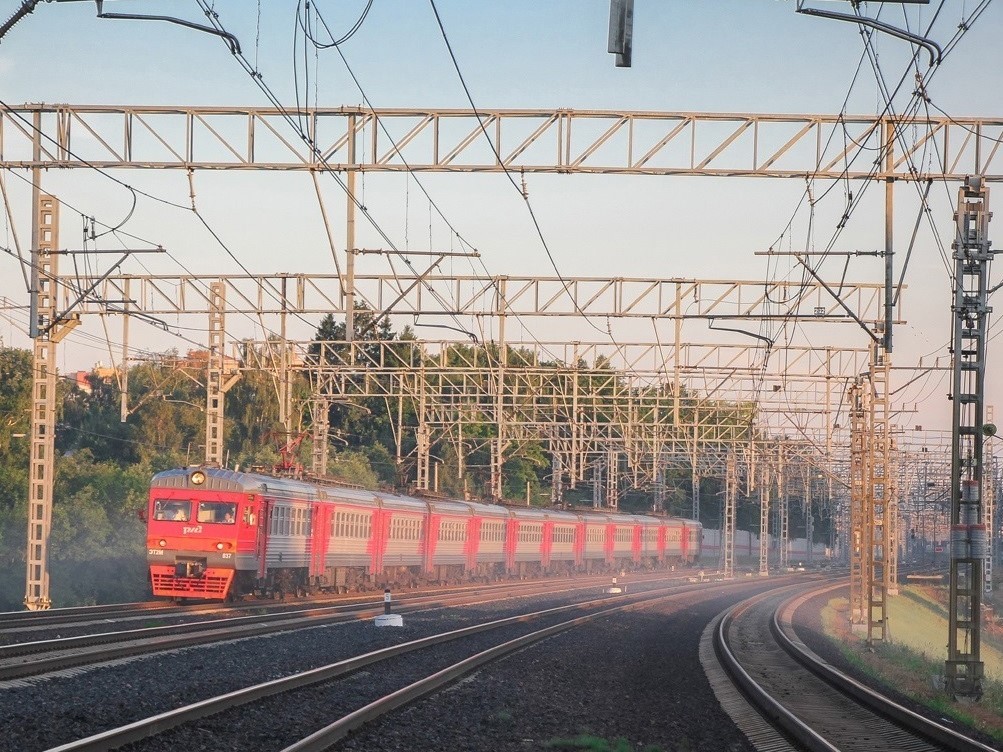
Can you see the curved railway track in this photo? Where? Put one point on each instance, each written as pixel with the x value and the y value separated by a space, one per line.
pixel 806 699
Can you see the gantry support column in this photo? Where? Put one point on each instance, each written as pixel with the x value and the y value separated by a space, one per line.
pixel 658 503
pixel 556 477
pixel 879 522
pixel 764 521
pixel 123 400
pixel 806 507
pixel 350 201
pixel 321 422
pixel 597 484
pixel 423 436
pixel 989 513
pixel 860 417
pixel 730 502
pixel 612 479
pixel 285 380
pixel 44 296
pixel 214 376
pixel 969 540
pixel 893 518
pixel 498 445
pixel 695 469
pixel 783 509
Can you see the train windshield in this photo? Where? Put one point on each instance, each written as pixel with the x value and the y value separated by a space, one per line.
pixel 171 509
pixel 221 512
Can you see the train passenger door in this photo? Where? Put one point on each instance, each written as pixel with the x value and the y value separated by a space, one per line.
pixel 472 544
pixel 579 543
pixel 610 542
pixel 261 549
pixel 379 533
pixel 320 534
pixel 547 544
pixel 431 537
pixel 511 542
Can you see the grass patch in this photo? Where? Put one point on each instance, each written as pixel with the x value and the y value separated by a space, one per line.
pixel 500 718
pixel 911 673
pixel 920 599
pixel 589 743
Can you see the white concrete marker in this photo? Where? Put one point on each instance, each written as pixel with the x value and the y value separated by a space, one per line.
pixel 387 619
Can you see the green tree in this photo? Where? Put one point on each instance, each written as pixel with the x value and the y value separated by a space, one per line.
pixel 15 416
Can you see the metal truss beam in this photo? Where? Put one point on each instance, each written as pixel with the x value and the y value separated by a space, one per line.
pixel 658 360
pixel 560 141
pixel 447 295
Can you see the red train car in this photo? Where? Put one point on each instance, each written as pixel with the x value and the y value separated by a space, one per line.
pixel 216 534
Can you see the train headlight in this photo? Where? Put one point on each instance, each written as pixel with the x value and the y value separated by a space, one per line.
pixel 197 478
pixel 219 546
pixel 163 543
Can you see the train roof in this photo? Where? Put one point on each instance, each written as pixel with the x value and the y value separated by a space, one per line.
pixel 221 479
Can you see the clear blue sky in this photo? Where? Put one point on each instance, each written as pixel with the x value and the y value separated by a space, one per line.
pixel 716 55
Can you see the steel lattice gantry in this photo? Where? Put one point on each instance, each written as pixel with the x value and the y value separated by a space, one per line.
pixel 969 536
pixel 541 141
pixel 45 293
pixel 649 405
pixel 479 296
pixel 352 139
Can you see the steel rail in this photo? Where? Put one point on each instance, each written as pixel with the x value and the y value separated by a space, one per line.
pixel 13 619
pixel 148 727
pixel 783 631
pixel 774 711
pixel 798 727
pixel 110 645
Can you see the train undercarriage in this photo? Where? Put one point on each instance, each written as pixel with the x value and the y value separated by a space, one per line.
pixel 293 582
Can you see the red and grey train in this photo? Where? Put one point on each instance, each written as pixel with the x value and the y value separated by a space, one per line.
pixel 215 533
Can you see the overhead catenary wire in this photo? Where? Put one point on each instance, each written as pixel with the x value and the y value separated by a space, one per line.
pixel 508 174
pixel 133 192
pixel 318 155
pixel 901 127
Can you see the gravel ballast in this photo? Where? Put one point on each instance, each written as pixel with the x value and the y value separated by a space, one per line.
pixel 634 675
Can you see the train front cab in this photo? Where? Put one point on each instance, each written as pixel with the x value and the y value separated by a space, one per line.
pixel 198 525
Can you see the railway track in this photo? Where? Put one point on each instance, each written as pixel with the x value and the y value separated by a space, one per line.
pixel 15 621
pixel 800 697
pixel 23 626
pixel 26 659
pixel 460 652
